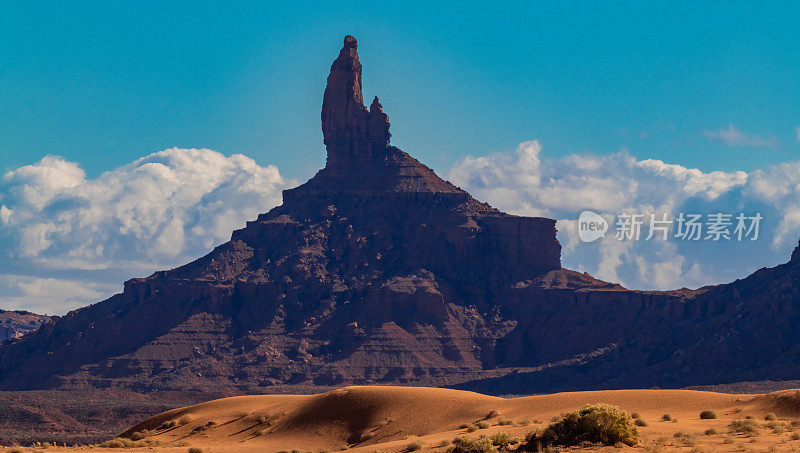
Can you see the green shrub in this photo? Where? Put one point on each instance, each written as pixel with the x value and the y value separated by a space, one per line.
pixel 770 417
pixel 597 423
pixel 466 445
pixel 749 427
pixel 666 418
pixel 639 422
pixel 708 415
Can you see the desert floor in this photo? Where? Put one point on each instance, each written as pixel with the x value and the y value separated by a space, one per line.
pixel 369 419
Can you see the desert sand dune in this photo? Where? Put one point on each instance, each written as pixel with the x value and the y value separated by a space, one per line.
pixel 376 418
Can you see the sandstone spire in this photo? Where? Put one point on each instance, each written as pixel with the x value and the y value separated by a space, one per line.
pixel 350 132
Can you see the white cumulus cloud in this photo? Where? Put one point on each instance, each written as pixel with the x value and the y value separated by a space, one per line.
pixel 523 182
pixel 156 212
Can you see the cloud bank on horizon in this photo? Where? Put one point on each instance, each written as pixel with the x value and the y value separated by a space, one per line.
pixel 521 182
pixel 71 241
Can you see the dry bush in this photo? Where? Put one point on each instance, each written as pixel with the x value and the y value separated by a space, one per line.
pixel 466 445
pixel 502 438
pixel 708 415
pixel 770 417
pixel 121 442
pixel 748 427
pixel 795 435
pixel 686 439
pixel 414 446
pixel 169 424
pixel 482 424
pixel 185 419
pixel 666 418
pixel 639 422
pixel 597 423
pixel 710 432
pixel 140 435
pixel 504 422
pixel 195 450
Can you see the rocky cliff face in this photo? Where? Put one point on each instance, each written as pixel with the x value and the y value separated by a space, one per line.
pixel 14 324
pixel 375 270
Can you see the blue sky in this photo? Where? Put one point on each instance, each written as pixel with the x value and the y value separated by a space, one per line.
pixel 661 106
pixel 102 82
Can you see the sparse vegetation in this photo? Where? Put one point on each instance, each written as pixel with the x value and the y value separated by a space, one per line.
pixel 504 422
pixel 685 439
pixel 524 422
pixel 122 442
pixel 195 450
pixel 367 436
pixel 466 445
pixel 795 435
pixel 502 438
pixel 770 417
pixel 185 419
pixel 139 435
pixel 635 415
pixel 639 422
pixel 443 443
pixel 710 432
pixel 666 418
pixel 708 415
pixel 599 423
pixel 482 424
pixel 414 446
pixel 748 427
pixel 169 424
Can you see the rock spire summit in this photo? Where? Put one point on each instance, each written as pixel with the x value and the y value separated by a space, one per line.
pixel 350 131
